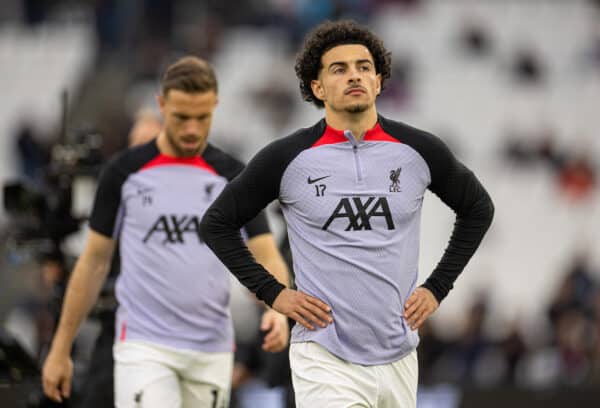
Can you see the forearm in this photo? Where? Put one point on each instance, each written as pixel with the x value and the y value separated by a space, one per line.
pixel 265 251
pixel 277 267
pixel 82 292
pixel 224 239
pixel 466 237
pixel 473 218
pixel 239 203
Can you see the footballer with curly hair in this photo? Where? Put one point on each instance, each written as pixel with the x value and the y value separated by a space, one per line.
pixel 351 188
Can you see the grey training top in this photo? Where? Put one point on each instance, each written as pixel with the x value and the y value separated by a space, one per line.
pixel 353 214
pixel 172 289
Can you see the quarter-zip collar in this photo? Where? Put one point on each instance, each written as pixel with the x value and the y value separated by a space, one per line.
pixel 335 136
pixel 346 135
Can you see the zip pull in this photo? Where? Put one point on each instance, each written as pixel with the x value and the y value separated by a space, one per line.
pixel 350 136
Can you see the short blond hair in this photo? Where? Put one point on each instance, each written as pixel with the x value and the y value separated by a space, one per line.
pixel 189 74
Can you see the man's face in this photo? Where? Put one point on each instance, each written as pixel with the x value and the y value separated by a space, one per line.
pixel 187 120
pixel 347 81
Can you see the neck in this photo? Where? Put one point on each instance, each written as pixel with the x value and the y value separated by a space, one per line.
pixel 357 123
pixel 164 146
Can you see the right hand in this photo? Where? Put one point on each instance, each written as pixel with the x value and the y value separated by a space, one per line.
pixel 57 374
pixel 303 308
pixel 277 331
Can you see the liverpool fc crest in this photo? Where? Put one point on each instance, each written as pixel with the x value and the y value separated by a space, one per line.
pixel 394 177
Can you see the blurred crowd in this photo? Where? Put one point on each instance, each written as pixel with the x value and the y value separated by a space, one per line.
pixel 568 355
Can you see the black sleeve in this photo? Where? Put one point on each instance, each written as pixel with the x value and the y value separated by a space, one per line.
pixel 229 167
pixel 458 188
pixel 258 225
pixel 107 200
pixel 241 200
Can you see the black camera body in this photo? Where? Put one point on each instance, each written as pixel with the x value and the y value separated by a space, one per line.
pixel 42 210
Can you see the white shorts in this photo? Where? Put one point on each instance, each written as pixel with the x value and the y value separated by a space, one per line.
pixel 148 375
pixel 321 379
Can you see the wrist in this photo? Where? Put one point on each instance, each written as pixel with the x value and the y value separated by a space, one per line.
pixel 60 346
pixel 270 293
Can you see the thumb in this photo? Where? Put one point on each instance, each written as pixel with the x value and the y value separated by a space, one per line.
pixel 65 387
pixel 267 321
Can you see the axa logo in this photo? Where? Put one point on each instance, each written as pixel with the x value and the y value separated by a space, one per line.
pixel 358 212
pixel 174 228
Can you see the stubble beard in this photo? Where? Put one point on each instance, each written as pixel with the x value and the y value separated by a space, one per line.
pixel 357 108
pixel 179 151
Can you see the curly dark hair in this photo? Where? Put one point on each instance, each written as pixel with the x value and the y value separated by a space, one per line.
pixel 331 34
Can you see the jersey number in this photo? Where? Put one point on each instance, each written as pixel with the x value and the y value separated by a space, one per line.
pixel 320 189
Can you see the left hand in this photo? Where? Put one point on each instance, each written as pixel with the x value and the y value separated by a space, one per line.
pixel 419 306
pixel 278 331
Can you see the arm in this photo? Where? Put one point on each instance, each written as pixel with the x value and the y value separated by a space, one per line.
pixel 82 292
pixel 265 252
pixel 458 188
pixel 474 210
pixel 241 201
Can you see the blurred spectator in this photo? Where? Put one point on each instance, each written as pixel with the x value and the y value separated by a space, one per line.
pixel 147 125
pixel 528 68
pixel 158 19
pixel 33 319
pixel 572 314
pixel 260 379
pixel 577 178
pixel 35 12
pixel 572 342
pixel 517 151
pixel 113 21
pixel 475 40
pixel 34 156
pixel 576 291
pixel 549 152
pixel 575 174
pixel 595 339
pixel 472 343
pixel 513 349
pixel 405 4
pixel 431 348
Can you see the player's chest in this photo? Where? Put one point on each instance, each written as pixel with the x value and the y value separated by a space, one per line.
pixel 169 204
pixel 356 190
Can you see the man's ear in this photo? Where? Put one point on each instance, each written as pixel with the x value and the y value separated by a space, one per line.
pixel 378 87
pixel 317 89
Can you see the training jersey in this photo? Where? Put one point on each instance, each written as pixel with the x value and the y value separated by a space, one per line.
pixel 353 212
pixel 172 290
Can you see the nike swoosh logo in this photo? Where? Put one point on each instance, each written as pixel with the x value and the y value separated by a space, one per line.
pixel 311 181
